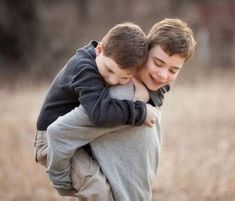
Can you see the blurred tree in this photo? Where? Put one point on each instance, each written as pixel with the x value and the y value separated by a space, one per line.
pixel 174 9
pixel 39 36
pixel 83 10
pixel 18 30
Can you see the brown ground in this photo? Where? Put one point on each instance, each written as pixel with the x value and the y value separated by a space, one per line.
pixel 197 159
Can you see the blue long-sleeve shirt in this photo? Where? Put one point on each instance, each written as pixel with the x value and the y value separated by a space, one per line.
pixel 79 82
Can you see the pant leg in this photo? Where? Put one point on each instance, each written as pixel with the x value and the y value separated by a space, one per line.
pixel 40 148
pixel 88 179
pixel 67 134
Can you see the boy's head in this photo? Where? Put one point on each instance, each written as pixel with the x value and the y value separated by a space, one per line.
pixel 171 44
pixel 173 36
pixel 122 51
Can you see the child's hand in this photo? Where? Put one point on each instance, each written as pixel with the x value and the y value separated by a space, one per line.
pixel 141 92
pixel 151 115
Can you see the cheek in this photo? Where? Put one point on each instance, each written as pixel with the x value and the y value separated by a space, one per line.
pixel 101 71
pixel 172 77
pixel 152 68
pixel 104 73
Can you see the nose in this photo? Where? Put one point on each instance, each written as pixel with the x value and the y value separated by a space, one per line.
pixel 162 74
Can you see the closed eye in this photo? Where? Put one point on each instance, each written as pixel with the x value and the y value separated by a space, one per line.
pixel 109 70
pixel 173 71
pixel 158 64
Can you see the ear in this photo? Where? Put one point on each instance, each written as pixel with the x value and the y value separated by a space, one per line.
pixel 99 48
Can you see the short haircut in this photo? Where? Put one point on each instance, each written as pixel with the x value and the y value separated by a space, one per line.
pixel 174 37
pixel 127 45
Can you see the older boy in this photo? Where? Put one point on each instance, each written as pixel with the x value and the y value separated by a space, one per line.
pixel 82 81
pixel 171 44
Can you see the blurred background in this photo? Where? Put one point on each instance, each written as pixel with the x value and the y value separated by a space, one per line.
pixel 38 37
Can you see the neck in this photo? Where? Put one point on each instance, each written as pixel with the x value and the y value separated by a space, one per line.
pixel 138 77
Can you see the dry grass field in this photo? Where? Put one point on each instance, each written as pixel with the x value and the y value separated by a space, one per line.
pixel 198 153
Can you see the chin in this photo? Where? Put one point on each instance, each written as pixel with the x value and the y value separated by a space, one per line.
pixel 155 88
pixel 151 87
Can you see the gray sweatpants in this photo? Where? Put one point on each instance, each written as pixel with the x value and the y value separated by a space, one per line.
pixel 86 175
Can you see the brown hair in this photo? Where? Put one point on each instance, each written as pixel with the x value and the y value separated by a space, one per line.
pixel 127 45
pixel 174 37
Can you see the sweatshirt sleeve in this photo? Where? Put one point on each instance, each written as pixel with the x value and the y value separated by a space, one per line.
pixel 157 97
pixel 101 108
pixel 71 132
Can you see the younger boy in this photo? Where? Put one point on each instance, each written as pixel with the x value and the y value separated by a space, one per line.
pixel 83 81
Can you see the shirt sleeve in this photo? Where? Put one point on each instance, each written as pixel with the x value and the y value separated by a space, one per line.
pixel 157 97
pixel 101 108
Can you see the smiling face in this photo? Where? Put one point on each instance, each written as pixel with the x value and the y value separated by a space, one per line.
pixel 160 68
pixel 110 70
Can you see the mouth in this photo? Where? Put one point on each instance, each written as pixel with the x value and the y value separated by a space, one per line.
pixel 155 81
pixel 108 83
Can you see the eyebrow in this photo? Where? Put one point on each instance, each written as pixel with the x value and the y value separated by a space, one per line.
pixel 175 67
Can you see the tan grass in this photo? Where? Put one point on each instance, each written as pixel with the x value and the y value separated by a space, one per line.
pixel 197 159
pixel 20 178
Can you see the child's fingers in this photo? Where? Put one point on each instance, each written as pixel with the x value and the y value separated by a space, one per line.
pixel 153 121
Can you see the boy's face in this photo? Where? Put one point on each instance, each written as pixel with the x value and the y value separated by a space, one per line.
pixel 160 69
pixel 109 69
